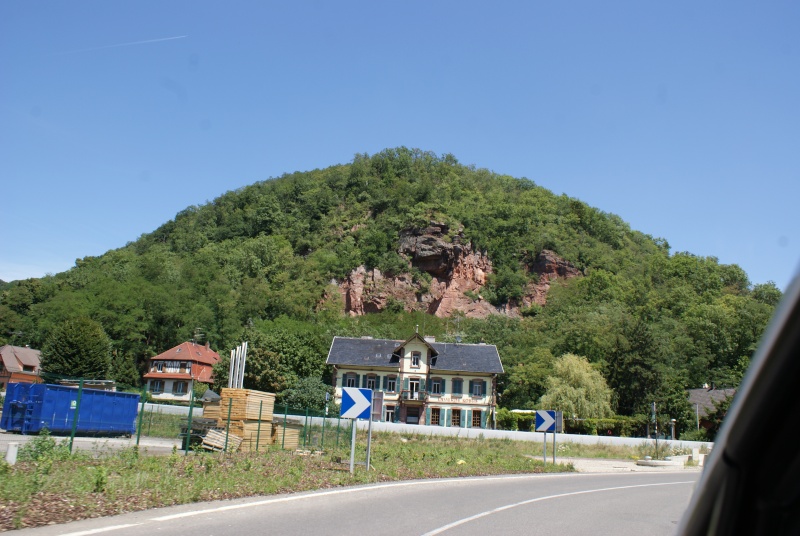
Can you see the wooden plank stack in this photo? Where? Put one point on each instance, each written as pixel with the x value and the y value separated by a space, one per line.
pixel 291 439
pixel 211 410
pixel 216 440
pixel 247 408
pixel 246 404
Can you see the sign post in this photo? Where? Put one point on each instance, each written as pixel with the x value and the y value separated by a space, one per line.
pixel 546 422
pixel 356 404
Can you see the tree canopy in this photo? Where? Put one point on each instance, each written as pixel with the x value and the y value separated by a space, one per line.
pixel 77 348
pixel 262 263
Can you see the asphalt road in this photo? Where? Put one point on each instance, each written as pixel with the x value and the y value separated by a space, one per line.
pixel 623 503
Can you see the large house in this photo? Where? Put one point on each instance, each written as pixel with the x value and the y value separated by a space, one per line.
pixel 421 381
pixel 172 374
pixel 18 364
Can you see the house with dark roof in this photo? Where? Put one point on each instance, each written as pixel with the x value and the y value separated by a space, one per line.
pixel 419 380
pixel 703 401
pixel 172 374
pixel 18 364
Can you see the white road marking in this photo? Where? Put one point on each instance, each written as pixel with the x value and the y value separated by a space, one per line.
pixel 104 529
pixel 529 501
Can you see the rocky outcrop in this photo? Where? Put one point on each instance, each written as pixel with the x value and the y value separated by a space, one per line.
pixel 547 266
pixel 457 274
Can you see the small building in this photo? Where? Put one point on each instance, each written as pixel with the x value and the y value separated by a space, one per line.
pixel 19 364
pixel 421 381
pixel 703 400
pixel 171 374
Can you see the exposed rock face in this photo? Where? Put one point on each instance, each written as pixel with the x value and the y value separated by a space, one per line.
pixel 548 266
pixel 457 276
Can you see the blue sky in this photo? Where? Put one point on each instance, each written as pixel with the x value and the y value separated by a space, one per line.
pixel 681 117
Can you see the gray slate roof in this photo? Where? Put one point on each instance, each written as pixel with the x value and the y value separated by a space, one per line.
pixel 481 358
pixel 704 399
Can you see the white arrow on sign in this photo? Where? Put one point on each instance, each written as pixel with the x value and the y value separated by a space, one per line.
pixel 360 403
pixel 547 421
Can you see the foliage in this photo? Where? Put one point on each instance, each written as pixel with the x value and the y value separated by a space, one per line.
pixel 262 264
pixel 44 448
pixel 306 393
pixel 577 389
pixel 78 348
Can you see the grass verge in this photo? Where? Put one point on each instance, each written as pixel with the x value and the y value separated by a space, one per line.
pixel 50 485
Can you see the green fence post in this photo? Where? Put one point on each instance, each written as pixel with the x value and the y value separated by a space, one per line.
pixel 141 414
pixel 322 443
pixel 306 430
pixel 338 428
pixel 228 424
pixel 258 432
pixel 189 426
pixel 75 416
pixel 283 439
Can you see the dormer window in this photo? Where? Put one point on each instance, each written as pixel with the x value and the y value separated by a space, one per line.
pixel 415 357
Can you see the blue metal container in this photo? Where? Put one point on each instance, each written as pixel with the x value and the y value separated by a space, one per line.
pixel 31 407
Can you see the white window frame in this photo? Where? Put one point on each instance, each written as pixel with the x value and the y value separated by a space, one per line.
pixel 390 413
pixel 391 384
pixel 416 357
pixel 436 387
pixel 351 380
pixel 477 388
pixel 176 384
pixel 156 386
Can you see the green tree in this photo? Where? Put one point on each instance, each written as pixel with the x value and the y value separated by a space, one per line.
pixel 306 393
pixel 77 348
pixel 576 388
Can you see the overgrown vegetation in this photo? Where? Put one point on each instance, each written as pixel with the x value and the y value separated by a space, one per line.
pixel 49 485
pixel 257 264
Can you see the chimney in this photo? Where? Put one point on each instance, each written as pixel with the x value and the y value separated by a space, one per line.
pixel 208 345
pixel 430 338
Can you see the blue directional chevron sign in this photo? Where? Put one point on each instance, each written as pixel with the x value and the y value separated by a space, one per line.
pixel 545 420
pixel 356 403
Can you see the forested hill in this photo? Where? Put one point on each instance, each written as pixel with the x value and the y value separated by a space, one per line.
pixel 266 263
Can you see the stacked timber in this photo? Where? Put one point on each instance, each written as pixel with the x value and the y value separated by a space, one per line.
pixel 255 434
pixel 246 404
pixel 219 441
pixel 287 435
pixel 211 410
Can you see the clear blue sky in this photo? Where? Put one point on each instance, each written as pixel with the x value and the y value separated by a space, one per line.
pixel 681 117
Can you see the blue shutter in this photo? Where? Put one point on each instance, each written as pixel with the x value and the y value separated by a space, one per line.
pixel 356 380
pixel 443 383
pixel 344 380
pixel 446 417
pixel 363 381
pixel 468 420
pixel 463 418
pixel 405 384
pixel 483 419
pixel 428 416
pixel 385 382
pixel 483 385
pixel 429 385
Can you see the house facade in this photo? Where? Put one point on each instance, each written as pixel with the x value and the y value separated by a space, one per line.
pixel 421 381
pixel 18 364
pixel 171 374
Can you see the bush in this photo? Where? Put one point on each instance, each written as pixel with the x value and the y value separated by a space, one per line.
pixel 44 448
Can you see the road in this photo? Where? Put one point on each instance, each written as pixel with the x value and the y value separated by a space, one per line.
pixel 622 504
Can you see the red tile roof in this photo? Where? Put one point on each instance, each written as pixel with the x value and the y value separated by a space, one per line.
pixel 189 351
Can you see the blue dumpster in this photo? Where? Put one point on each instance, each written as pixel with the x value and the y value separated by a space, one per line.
pixel 31 407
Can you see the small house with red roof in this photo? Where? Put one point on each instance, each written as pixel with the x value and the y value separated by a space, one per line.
pixel 172 374
pixel 18 364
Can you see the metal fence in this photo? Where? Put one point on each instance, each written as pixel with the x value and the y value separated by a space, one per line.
pixel 92 419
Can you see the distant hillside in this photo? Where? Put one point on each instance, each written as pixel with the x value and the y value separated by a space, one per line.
pixel 415 239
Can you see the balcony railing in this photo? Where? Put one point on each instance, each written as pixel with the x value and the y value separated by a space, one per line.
pixel 414 395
